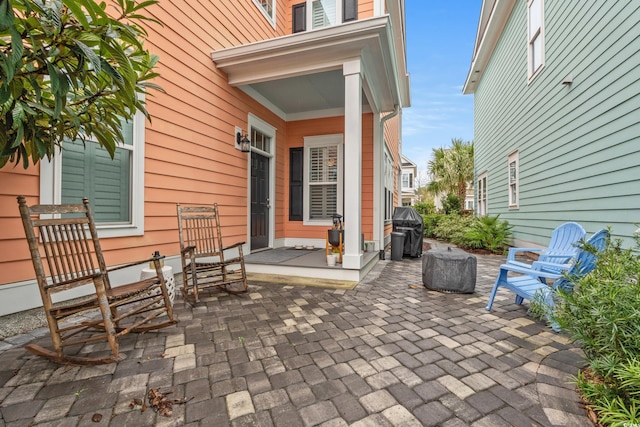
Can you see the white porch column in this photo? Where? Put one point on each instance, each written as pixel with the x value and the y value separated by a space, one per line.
pixel 352 163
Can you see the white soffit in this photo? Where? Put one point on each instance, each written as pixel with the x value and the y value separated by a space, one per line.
pixel 302 72
pixel 493 18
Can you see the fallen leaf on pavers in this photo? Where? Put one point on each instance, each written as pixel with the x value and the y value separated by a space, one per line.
pixel 414 287
pixel 135 402
pixel 161 403
pixel 96 418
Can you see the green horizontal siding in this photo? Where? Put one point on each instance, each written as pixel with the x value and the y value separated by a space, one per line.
pixel 578 145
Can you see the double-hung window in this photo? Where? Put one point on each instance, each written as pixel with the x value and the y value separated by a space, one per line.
pixel 535 36
pixel 314 14
pixel 114 187
pixel 268 8
pixel 407 181
pixel 482 194
pixel 388 185
pixel 513 180
pixel 323 178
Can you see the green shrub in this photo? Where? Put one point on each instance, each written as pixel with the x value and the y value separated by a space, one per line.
pixel 430 223
pixel 451 204
pixel 489 233
pixel 425 208
pixel 602 313
pixel 452 228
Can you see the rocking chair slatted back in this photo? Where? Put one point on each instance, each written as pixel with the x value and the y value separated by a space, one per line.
pixel 199 229
pixel 206 263
pixel 66 256
pixel 68 247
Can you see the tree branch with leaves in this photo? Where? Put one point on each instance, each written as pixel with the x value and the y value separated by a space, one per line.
pixel 70 69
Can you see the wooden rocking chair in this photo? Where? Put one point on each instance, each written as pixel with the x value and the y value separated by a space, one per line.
pixel 79 302
pixel 205 263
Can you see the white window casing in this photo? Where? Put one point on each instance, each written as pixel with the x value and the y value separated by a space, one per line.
pixel 323 179
pixel 514 172
pixel 323 13
pixel 66 180
pixel 482 194
pixel 268 9
pixel 535 37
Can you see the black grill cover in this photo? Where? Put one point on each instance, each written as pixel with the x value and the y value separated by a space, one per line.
pixel 409 222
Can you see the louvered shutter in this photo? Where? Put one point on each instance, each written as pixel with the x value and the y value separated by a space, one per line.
pixel 323 182
pixel 349 10
pixel 323 13
pixel 90 172
pixel 296 188
pixel 299 12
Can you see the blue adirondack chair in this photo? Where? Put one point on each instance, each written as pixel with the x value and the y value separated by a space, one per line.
pixel 562 249
pixel 528 284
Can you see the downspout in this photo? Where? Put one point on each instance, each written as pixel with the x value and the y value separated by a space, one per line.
pixel 383 120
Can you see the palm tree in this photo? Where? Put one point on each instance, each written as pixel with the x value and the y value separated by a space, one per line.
pixel 451 169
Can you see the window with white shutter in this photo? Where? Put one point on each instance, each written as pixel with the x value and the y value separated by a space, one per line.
pixel 322 178
pixel 324 13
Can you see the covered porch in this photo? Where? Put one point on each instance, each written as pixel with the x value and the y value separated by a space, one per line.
pixel 333 87
pixel 305 266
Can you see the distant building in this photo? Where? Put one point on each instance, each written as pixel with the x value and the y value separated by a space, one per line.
pixel 409 188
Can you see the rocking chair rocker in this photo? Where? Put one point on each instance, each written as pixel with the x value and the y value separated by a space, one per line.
pixel 73 280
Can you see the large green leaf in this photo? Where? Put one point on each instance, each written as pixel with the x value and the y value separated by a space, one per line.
pixel 6 15
pixel 75 8
pixel 68 67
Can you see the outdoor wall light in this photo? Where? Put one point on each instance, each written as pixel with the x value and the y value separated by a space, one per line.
pixel 243 142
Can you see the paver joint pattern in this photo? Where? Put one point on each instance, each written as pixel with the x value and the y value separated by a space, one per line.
pixel 387 353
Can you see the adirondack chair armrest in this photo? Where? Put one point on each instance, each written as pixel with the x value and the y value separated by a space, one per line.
pixel 560 256
pixel 529 271
pixel 541 265
pixel 511 256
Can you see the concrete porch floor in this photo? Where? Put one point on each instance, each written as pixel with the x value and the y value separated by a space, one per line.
pixel 304 266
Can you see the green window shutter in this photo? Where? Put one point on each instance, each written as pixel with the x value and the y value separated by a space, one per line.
pixel 296 187
pixel 90 172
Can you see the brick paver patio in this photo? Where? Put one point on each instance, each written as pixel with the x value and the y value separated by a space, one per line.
pixel 387 353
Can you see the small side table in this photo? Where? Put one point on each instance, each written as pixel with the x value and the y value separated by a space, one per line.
pixel 169 280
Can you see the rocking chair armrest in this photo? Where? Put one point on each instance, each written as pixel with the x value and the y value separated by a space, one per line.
pixel 235 245
pixel 187 249
pixel 131 264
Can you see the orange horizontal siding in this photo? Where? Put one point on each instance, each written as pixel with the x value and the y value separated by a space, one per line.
pixel 328 126
pixel 190 155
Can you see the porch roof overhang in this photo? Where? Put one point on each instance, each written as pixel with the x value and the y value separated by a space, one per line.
pixel 300 75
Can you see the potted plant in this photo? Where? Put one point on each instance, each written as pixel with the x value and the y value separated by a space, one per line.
pixel 331 259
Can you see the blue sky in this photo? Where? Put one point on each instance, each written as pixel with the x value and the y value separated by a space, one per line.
pixel 440 39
